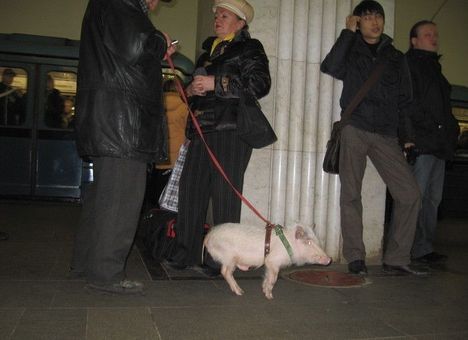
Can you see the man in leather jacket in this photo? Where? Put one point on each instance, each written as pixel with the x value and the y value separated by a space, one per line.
pixel 372 132
pixel 121 126
pixel 434 133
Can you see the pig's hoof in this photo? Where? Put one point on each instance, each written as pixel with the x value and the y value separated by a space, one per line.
pixel 239 292
pixel 269 296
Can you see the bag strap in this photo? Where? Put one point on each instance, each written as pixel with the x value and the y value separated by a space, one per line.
pixel 375 75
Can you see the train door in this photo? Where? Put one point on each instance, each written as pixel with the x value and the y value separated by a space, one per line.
pixel 38 156
pixel 58 166
pixel 16 128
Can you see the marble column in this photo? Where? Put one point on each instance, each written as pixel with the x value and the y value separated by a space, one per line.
pixel 285 181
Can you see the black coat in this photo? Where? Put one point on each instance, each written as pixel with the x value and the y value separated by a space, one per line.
pixel 351 61
pixel 119 108
pixel 434 130
pixel 243 66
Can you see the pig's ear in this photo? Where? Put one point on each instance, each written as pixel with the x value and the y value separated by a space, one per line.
pixel 300 233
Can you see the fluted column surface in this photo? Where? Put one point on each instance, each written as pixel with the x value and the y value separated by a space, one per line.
pixel 286 180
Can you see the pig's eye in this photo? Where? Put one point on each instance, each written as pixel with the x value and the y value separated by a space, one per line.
pixel 309 242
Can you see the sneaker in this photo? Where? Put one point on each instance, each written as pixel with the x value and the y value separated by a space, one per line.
pixel 357 267
pixel 124 287
pixel 402 270
pixel 431 258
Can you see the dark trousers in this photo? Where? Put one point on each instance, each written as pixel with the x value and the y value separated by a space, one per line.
pixel 388 159
pixel 109 219
pixel 199 182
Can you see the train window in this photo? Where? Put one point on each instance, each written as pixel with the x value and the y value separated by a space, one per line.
pixel 59 110
pixel 13 88
pixel 461 113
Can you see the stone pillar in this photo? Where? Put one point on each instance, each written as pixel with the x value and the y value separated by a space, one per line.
pixel 285 181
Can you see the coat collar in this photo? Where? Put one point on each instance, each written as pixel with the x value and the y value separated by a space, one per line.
pixel 414 52
pixel 241 36
pixel 362 47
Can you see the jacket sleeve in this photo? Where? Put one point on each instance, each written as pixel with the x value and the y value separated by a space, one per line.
pixel 129 34
pixel 409 102
pixel 253 75
pixel 335 63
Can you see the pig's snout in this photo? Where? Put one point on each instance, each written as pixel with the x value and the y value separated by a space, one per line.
pixel 325 260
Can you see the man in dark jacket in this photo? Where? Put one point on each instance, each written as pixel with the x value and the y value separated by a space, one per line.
pixel 120 126
pixel 372 132
pixel 433 134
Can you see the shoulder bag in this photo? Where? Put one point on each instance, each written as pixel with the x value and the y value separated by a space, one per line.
pixel 252 125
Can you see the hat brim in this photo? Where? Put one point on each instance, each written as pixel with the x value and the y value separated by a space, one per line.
pixel 232 9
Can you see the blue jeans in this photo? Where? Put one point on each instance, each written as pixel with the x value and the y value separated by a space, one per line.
pixel 429 172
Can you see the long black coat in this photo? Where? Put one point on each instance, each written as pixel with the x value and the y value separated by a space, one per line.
pixel 119 109
pixel 434 129
pixel 243 66
pixel 351 61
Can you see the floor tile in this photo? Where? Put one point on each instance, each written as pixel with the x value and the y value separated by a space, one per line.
pixel 63 324
pixel 9 319
pixel 28 294
pixel 121 323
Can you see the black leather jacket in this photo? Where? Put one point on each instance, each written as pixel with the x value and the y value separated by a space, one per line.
pixel 243 66
pixel 119 98
pixel 351 61
pixel 434 130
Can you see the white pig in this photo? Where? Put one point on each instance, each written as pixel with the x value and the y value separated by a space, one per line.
pixel 242 246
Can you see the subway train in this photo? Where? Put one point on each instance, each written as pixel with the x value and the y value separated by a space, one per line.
pixel 38 157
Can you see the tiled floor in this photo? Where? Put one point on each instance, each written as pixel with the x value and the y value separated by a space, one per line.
pixel 37 301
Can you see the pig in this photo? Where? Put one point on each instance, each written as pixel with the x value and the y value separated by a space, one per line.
pixel 242 246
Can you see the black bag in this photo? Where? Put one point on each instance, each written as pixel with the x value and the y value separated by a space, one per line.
pixel 252 125
pixel 331 161
pixel 158 233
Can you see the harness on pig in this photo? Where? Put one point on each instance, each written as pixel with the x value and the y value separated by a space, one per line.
pixel 279 232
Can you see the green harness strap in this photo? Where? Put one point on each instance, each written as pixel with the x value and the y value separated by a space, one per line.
pixel 280 234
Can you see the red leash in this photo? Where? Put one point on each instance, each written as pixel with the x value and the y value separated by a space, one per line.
pixel 181 91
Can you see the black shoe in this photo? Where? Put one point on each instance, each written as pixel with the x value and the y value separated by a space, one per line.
pixel 208 271
pixel 174 265
pixel 402 270
pixel 4 236
pixel 357 267
pixel 431 258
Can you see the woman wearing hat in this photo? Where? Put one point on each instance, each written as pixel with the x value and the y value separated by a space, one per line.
pixel 233 63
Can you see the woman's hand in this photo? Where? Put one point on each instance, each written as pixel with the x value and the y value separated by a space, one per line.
pixel 200 85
